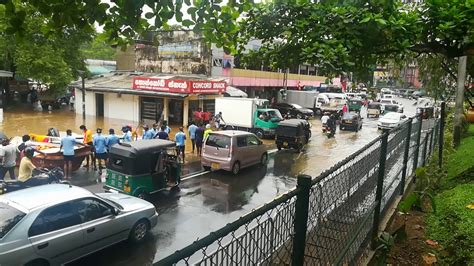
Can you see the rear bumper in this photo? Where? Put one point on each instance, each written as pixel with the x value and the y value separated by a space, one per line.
pixel 223 164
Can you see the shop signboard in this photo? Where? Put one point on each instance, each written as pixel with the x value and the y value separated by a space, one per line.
pixel 179 86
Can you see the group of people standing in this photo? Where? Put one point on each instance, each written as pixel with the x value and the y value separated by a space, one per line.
pixel 12 155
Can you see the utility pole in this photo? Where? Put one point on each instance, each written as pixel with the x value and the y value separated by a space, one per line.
pixel 459 108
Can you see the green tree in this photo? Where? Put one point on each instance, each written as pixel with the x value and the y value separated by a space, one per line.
pixel 99 48
pixel 122 20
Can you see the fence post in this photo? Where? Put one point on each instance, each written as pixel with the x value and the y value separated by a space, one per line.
pixel 433 132
pixel 378 193
pixel 417 147
pixel 405 157
pixel 301 219
pixel 441 134
pixel 425 147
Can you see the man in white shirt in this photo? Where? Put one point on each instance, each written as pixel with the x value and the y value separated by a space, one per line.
pixel 7 159
pixel 324 119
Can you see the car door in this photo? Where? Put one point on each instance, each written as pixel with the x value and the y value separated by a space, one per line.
pixel 100 226
pixel 56 234
pixel 253 149
pixel 242 151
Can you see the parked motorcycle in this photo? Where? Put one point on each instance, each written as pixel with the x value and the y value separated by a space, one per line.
pixel 42 176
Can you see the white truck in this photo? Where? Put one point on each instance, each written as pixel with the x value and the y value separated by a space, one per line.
pixel 329 102
pixel 304 98
pixel 249 114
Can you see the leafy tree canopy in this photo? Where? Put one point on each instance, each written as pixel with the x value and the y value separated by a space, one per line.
pixel 353 36
pixel 99 48
pixel 122 20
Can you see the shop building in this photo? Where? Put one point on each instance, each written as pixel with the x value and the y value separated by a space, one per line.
pixel 148 97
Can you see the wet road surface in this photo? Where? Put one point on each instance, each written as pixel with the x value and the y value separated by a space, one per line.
pixel 209 201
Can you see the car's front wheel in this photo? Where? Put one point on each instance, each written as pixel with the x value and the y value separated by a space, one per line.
pixel 264 159
pixel 139 231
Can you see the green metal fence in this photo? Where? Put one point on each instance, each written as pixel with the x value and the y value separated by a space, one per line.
pixel 328 219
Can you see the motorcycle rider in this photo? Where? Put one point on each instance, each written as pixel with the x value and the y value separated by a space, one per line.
pixel 324 119
pixel 25 173
pixel 331 124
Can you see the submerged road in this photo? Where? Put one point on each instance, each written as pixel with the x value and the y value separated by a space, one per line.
pixel 208 201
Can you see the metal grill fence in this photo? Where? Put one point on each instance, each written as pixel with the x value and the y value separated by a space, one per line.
pixel 326 220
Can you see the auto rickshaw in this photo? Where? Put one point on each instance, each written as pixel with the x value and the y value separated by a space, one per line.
pixel 143 167
pixel 373 109
pixel 292 133
pixel 355 105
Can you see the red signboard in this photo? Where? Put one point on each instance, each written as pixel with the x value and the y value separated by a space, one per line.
pixel 179 86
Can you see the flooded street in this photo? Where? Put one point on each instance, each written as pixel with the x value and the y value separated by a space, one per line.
pixel 208 201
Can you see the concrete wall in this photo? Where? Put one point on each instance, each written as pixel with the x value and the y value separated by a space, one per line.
pixel 125 107
pixel 90 103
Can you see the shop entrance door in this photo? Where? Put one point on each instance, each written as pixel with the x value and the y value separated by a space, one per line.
pixel 150 109
pixel 99 104
pixel 175 115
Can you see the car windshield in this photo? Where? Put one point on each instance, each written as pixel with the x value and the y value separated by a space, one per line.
pixel 392 116
pixel 275 114
pixel 297 106
pixel 219 141
pixel 348 116
pixel 111 202
pixel 9 217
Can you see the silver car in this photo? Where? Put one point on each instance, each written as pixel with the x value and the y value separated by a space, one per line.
pixel 56 224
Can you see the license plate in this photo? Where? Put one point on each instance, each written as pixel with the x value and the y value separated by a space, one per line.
pixel 285 143
pixel 348 121
pixel 215 165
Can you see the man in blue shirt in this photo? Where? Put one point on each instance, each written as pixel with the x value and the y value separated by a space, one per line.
pixel 192 134
pixel 111 139
pixel 180 139
pixel 67 146
pixel 162 134
pixel 100 149
pixel 127 131
pixel 148 134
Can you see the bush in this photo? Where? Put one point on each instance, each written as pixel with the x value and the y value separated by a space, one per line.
pixel 453 224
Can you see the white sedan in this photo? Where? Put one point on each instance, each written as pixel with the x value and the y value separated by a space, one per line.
pixel 391 120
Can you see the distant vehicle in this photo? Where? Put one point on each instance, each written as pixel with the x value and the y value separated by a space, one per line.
pixel 386 91
pixel 388 101
pixel 391 120
pixel 293 110
pixel 374 109
pixel 351 121
pixel 418 94
pixel 248 114
pixel 305 99
pixel 232 150
pixel 355 105
pixel 57 224
pixel 330 102
pixel 292 133
pixel 388 96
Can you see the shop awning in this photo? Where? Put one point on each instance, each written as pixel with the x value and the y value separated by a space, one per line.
pixel 234 92
pixel 136 92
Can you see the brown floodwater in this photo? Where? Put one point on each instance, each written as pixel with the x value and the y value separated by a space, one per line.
pixel 21 120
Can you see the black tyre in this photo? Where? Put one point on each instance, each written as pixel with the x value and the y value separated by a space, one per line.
pixel 207 168
pixel 279 147
pixel 236 168
pixel 341 128
pixel 264 159
pixel 368 115
pixel 139 231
